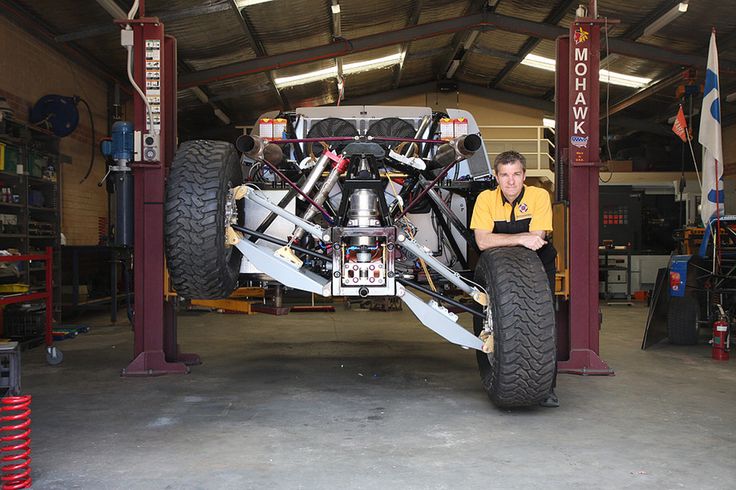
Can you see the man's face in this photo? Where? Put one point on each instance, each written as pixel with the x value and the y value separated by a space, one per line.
pixel 511 179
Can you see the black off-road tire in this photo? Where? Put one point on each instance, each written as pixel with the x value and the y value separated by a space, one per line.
pixel 200 263
pixel 521 370
pixel 682 320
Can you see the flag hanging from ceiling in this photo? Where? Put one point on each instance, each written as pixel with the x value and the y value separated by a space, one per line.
pixel 710 137
pixel 680 125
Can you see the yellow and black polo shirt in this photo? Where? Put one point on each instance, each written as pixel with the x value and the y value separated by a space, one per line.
pixel 530 211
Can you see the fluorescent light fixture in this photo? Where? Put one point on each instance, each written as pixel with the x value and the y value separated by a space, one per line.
pixel 539 62
pixel 222 116
pixel 548 122
pixel 470 40
pixel 347 68
pixel 454 64
pixel 605 76
pixel 623 80
pixel 200 94
pixel 668 17
pixel 247 3
pixel 312 76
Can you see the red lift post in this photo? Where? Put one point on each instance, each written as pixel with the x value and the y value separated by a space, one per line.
pixel 156 350
pixel 577 127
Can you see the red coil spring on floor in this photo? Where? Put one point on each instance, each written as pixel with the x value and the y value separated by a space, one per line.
pixel 15 442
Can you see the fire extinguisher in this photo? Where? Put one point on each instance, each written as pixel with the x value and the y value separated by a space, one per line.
pixel 721 337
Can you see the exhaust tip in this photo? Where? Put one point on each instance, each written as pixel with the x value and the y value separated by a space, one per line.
pixel 245 143
pixel 472 142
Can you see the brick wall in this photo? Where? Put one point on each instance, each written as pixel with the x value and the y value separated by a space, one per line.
pixel 30 69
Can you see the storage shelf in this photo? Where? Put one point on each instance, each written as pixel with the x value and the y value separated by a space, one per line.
pixel 39 180
pixel 35 148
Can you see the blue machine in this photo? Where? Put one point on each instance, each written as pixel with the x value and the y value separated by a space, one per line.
pixel 679 263
pixel 120 149
pixel 678 275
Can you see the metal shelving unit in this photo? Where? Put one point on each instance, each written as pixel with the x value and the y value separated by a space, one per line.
pixel 29 202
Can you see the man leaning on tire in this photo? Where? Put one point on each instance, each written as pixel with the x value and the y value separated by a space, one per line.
pixel 516 215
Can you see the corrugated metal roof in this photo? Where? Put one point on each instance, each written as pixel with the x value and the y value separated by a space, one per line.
pixel 507 42
pixel 211 34
pixel 441 43
pixel 434 10
pixel 283 25
pixel 418 71
pixel 363 18
pixel 479 68
pixel 536 10
pixel 528 81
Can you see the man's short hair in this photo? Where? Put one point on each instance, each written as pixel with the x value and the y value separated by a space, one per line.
pixel 508 157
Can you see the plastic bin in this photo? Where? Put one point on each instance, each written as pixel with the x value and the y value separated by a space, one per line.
pixel 9 369
pixel 24 321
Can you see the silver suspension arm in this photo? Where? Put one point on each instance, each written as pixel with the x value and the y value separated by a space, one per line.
pixel 442 269
pixel 253 195
pixel 320 198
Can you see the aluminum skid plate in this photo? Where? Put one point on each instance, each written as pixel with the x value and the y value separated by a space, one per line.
pixel 282 271
pixel 439 321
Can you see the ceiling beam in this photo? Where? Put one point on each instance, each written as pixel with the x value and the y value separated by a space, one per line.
pixel 462 42
pixel 257 46
pixel 646 92
pixel 637 30
pixel 669 79
pixel 481 22
pixel 413 20
pixel 495 53
pixel 167 16
pixel 497 95
pixel 203 95
pixel 554 17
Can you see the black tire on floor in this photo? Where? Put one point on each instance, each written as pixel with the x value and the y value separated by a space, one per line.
pixel 682 320
pixel 200 263
pixel 521 369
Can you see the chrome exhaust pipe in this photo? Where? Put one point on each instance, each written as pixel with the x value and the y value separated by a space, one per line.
pixel 254 147
pixel 462 146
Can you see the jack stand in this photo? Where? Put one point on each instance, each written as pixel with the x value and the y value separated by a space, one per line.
pixel 278 307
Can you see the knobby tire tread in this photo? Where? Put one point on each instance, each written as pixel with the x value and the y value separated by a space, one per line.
pixel 521 370
pixel 200 265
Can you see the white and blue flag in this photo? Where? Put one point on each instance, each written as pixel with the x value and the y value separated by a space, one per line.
pixel 710 137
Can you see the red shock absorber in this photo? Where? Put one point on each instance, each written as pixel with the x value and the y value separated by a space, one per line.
pixel 15 442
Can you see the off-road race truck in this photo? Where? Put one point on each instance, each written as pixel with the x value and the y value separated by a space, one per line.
pixel 337 206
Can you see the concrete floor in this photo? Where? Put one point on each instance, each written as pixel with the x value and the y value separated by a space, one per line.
pixel 371 400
